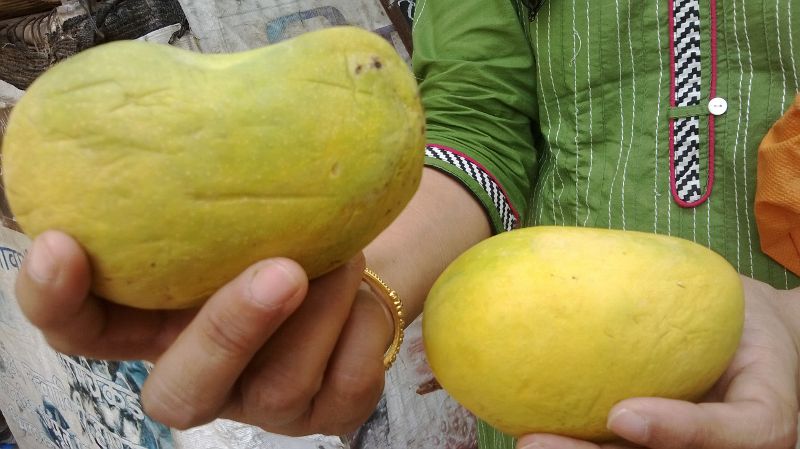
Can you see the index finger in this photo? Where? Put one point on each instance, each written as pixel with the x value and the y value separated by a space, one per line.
pixel 192 382
pixel 53 291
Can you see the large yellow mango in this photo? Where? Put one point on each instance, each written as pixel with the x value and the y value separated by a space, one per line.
pixel 544 329
pixel 176 170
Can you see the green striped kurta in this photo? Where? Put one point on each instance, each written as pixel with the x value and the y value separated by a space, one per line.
pixel 570 113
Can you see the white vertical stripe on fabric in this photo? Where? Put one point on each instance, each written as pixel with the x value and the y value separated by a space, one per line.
pixel 746 132
pixel 546 156
pixel 708 200
pixel 784 97
pixel 780 52
pixel 736 139
pixel 575 50
pixel 793 64
pixel 659 18
pixel 418 14
pixel 591 118
pixel 633 114
pixel 558 125
pixel 708 221
pixel 621 117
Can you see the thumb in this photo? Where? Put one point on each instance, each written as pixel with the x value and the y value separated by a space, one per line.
pixel 192 380
pixel 671 424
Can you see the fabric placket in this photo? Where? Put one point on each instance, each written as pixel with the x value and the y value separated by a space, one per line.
pixel 686 96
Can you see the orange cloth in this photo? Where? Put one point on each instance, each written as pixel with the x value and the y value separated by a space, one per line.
pixel 777 205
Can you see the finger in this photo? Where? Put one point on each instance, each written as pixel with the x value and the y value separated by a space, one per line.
pixel 53 284
pixel 760 408
pixel 354 381
pixel 287 373
pixel 192 381
pixel 52 289
pixel 547 441
pixel 670 424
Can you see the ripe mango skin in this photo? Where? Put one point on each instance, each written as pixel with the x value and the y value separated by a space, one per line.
pixel 177 170
pixel 544 329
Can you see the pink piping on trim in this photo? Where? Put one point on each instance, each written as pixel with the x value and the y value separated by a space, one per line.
pixel 508 200
pixel 712 94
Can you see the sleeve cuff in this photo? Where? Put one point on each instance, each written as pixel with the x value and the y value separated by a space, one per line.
pixel 485 187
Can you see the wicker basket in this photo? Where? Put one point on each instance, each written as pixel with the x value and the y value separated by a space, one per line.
pixel 16 8
pixel 30 44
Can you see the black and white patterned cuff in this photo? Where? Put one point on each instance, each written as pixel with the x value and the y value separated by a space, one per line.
pixel 503 210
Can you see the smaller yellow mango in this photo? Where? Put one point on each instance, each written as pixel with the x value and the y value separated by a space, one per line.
pixel 544 329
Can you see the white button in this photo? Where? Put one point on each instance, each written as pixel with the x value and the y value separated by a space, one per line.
pixel 717 106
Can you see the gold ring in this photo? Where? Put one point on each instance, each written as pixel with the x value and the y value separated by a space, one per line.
pixel 395 306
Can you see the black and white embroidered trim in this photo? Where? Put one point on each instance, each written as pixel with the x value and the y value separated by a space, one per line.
pixel 687 159
pixel 686 131
pixel 487 183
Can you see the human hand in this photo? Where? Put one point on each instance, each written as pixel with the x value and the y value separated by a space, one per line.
pixel 753 406
pixel 268 349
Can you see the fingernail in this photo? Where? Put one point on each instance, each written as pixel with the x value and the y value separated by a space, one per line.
pixel 629 425
pixel 273 284
pixel 40 261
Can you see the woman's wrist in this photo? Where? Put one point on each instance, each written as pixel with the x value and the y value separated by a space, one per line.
pixel 393 305
pixel 411 253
